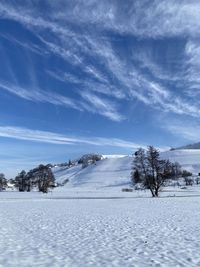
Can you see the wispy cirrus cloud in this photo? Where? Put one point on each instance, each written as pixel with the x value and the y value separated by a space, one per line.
pixel 89 102
pixel 88 84
pixel 64 77
pixel 60 139
pixel 135 85
pixel 37 95
pixel 192 79
pixel 146 60
pixel 189 131
pixel 31 47
pixel 160 18
pixel 99 105
pixel 115 76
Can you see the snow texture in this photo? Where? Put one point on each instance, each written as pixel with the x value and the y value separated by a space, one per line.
pixel 50 230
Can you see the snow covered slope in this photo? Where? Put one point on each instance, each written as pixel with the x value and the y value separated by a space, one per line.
pixel 108 172
pixel 115 171
pixel 188 158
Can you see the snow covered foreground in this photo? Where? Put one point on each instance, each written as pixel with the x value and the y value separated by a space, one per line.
pixel 91 222
pixel 50 230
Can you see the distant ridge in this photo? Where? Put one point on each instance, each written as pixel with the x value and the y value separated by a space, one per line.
pixel 190 146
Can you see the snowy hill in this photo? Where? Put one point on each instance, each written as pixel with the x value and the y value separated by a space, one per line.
pixel 109 172
pixel 114 171
pixel 188 158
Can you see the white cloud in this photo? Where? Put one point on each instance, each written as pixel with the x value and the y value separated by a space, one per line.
pixel 160 19
pixel 88 84
pixel 192 79
pixel 55 138
pixel 37 95
pixel 187 131
pixel 90 102
pixel 99 105
pixel 146 60
pixel 64 77
pixel 29 46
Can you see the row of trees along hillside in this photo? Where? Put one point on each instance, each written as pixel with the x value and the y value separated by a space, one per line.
pixel 40 177
pixel 85 160
pixel 152 172
pixel 88 159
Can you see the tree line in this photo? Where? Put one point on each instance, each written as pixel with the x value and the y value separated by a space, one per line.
pixel 152 172
pixel 40 178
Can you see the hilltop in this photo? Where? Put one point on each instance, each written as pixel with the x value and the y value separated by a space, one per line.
pixel 114 170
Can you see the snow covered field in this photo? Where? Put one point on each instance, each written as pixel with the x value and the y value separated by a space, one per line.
pixel 90 222
pixel 134 230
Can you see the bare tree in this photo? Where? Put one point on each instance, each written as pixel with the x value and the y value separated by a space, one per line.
pixel 45 178
pixel 176 170
pixel 150 170
pixel 21 181
pixel 3 181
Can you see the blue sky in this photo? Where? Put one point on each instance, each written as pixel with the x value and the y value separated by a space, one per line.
pixel 96 76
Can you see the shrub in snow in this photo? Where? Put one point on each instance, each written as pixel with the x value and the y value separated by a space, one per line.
pixel 127 190
pixel 138 186
pixel 188 181
pixel 197 180
pixel 187 176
